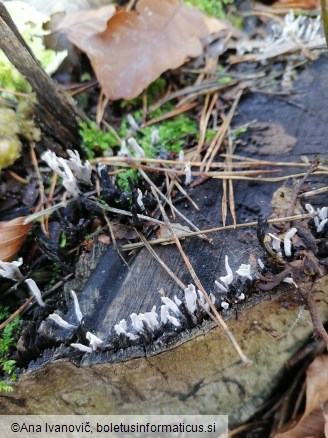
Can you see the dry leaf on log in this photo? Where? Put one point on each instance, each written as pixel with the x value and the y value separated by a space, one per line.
pixel 313 421
pixel 12 235
pixel 136 47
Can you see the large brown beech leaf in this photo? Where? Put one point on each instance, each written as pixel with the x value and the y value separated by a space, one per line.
pixel 313 422
pixel 12 235
pixel 137 47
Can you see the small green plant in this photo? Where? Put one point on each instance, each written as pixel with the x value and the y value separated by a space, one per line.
pixel 7 342
pixel 216 8
pixel 94 139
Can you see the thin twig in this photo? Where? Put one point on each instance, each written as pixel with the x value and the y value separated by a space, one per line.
pixel 184 234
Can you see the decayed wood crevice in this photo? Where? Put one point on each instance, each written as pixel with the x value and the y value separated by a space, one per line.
pixel 56 113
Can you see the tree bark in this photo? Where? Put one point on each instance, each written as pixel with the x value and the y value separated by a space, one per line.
pixel 55 111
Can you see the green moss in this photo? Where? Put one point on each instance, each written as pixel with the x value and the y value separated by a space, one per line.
pixel 93 139
pixel 7 342
pixel 123 178
pixel 215 8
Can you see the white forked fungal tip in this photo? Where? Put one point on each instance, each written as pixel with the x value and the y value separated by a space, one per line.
pixel 60 166
pixel 241 297
pixel 228 279
pixel 154 137
pixel 171 305
pixel 321 225
pixel 212 298
pixel 124 151
pixel 260 263
pixel 133 124
pixel 188 173
pixel 10 270
pixel 177 301
pixel 224 305
pixel 221 287
pixel 137 323
pixel 275 242
pixel 137 149
pixel 202 300
pixel 61 322
pixel 121 328
pixel 190 298
pixel 323 213
pixel 289 280
pixel 165 316
pixel 244 271
pixel 94 341
pixel 309 208
pixel 77 309
pixel 181 156
pixel 150 318
pixel 82 347
pixel 139 200
pixel 82 171
pixel 35 291
pixel 287 241
pixel 322 216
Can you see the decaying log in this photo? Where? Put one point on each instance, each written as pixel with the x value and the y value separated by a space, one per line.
pixel 55 111
pixel 197 370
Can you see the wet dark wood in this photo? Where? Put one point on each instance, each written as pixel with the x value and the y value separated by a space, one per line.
pixel 198 371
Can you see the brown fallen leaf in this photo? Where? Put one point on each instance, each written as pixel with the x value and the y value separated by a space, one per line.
pixel 297 4
pixel 12 235
pixel 81 25
pixel 313 422
pixel 137 47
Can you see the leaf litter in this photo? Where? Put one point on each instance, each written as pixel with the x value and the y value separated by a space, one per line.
pixel 136 47
pixel 114 31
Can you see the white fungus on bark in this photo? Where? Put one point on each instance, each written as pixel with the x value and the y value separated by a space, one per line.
pixel 245 271
pixel 82 347
pixel 94 341
pixel 227 279
pixel 61 322
pixel 190 298
pixel 10 270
